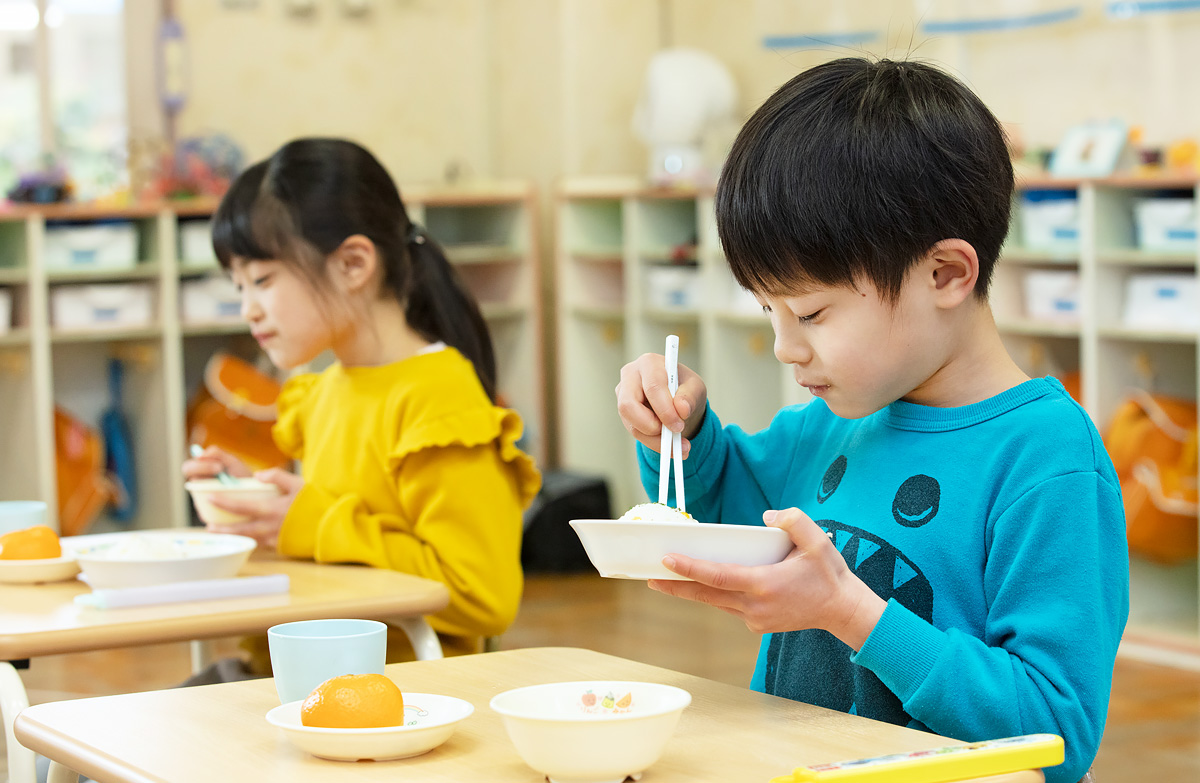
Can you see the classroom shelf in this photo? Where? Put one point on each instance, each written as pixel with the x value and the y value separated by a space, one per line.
pixel 611 235
pixel 1110 357
pixel 489 234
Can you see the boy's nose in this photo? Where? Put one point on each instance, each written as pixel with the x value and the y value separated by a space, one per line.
pixel 790 351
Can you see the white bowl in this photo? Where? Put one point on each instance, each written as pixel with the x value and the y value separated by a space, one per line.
pixel 582 732
pixel 150 557
pixel 28 572
pixel 430 719
pixel 634 550
pixel 204 490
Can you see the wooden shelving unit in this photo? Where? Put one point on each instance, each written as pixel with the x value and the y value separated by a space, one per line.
pixel 1111 357
pixel 490 233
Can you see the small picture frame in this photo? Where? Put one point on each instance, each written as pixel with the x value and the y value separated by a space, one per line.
pixel 1092 149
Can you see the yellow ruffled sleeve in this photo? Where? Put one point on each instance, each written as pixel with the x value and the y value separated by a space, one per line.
pixel 499 426
pixel 288 430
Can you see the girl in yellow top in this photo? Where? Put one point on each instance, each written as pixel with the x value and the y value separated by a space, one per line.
pixel 406 462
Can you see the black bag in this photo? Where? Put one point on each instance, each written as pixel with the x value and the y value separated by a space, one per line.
pixel 550 543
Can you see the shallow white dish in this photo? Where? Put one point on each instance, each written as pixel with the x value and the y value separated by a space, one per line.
pixel 634 550
pixel 430 719
pixel 204 490
pixel 591 732
pixel 149 557
pixel 28 572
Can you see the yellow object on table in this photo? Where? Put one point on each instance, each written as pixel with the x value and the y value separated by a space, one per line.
pixel 941 765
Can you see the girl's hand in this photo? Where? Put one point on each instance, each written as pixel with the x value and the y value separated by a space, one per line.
pixel 212 462
pixel 265 516
pixel 646 406
pixel 811 588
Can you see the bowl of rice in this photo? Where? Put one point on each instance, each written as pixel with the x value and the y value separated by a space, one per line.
pixel 633 546
pixel 148 557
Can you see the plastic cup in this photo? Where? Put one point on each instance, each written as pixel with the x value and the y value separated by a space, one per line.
pixel 20 514
pixel 307 653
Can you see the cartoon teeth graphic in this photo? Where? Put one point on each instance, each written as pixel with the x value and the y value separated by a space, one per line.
pixel 817 668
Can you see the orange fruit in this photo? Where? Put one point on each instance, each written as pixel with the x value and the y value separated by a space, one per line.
pixel 354 701
pixel 32 543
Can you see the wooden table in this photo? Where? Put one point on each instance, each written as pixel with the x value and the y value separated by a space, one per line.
pixel 219 732
pixel 45 620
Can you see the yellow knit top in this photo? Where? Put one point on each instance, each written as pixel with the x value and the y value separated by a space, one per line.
pixel 409 466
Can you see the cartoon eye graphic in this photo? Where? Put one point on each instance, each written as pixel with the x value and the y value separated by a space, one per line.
pixel 832 478
pixel 916 501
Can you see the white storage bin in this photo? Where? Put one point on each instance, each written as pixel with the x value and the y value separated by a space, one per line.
pixel 1050 221
pixel 1166 223
pixel 673 287
pixel 91 246
pixel 210 300
pixel 195 242
pixel 6 302
pixel 101 305
pixel 1167 301
pixel 1052 295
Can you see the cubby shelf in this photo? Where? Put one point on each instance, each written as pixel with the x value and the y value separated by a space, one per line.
pixel 1110 357
pixel 613 234
pixel 489 234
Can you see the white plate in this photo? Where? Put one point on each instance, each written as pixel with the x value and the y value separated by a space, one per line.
pixel 149 557
pixel 27 572
pixel 634 550
pixel 430 719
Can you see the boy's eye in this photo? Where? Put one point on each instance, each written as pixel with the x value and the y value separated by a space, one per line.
pixel 766 309
pixel 260 281
pixel 804 319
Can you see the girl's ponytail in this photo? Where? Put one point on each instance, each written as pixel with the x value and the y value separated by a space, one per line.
pixel 440 307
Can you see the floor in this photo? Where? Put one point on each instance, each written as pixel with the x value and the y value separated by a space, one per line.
pixel 1153 731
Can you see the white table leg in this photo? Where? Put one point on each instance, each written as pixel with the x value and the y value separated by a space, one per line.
pixel 424 641
pixel 60 774
pixel 13 699
pixel 202 654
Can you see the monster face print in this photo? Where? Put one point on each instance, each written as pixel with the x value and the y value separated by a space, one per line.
pixel 816 666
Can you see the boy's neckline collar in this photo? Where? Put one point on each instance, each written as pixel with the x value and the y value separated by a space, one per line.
pixel 927 418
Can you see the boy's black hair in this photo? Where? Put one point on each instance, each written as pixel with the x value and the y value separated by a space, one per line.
pixel 854 170
pixel 299 205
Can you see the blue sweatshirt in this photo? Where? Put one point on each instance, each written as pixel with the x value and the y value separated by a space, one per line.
pixel 994 531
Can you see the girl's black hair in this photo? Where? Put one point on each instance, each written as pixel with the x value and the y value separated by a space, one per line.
pixel 299 205
pixel 855 170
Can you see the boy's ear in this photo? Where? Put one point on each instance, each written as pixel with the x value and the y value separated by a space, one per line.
pixel 952 267
pixel 354 264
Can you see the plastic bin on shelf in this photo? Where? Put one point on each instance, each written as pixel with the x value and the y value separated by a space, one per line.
pixel 673 287
pixel 195 242
pixel 1162 300
pixel 1166 223
pixel 1050 220
pixel 1052 295
pixel 101 305
pixel 210 300
pixel 103 245
pixel 6 308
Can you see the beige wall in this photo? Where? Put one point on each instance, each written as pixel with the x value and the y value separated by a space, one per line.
pixel 539 88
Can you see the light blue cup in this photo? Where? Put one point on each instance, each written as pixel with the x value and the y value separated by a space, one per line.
pixel 20 514
pixel 307 653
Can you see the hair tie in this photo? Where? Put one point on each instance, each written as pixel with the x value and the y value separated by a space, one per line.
pixel 416 234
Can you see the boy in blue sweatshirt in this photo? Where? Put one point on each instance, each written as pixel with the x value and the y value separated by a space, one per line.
pixel 960 561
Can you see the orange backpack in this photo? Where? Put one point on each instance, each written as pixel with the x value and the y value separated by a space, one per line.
pixel 83 485
pixel 1152 443
pixel 234 409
